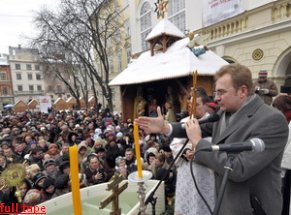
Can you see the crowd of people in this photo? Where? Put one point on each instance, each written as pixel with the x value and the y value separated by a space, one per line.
pixel 38 143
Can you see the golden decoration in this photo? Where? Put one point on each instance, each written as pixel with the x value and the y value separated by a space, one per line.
pixel 13 175
pixel 258 54
pixel 161 8
pixel 2 183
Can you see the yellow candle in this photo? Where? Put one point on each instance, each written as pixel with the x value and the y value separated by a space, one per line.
pixel 75 184
pixel 193 108
pixel 137 150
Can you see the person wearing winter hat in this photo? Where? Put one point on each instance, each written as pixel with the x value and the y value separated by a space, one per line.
pixel 99 143
pixel 50 168
pixel 48 189
pixel 169 155
pixel 119 135
pixel 83 152
pixel 97 133
pixel 62 185
pixel 38 181
pixel 121 143
pixel 265 87
pixel 64 167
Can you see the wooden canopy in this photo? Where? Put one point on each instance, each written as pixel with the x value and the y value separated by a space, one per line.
pixel 32 104
pixel 20 106
pixel 60 104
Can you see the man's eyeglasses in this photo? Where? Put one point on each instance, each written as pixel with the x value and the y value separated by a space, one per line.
pixel 220 92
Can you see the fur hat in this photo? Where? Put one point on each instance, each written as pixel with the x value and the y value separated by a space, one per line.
pixel 63 165
pixel 100 149
pixel 48 182
pixel 49 162
pixel 62 181
pixel 38 177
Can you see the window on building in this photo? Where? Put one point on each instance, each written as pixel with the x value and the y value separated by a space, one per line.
pixel 127 28
pixel 113 93
pixel 18 66
pixel 59 88
pixel 117 35
pixel 111 66
pixel 36 67
pixel 176 13
pixel 109 43
pixel 39 88
pixel 5 90
pixel 19 87
pixel 38 77
pixel 145 24
pixel 18 76
pixel 3 76
pixel 50 88
pixel 117 7
pixel 128 54
pixel 28 67
pixel 119 59
pixel 30 88
pixel 29 76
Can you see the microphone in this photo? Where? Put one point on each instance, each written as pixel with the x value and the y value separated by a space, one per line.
pixel 212 118
pixel 254 144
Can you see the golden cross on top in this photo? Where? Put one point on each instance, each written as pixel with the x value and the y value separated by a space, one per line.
pixel 161 8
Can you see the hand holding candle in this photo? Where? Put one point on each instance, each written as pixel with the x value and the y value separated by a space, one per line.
pixel 137 150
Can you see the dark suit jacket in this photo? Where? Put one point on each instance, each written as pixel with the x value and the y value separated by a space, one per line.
pixel 254 173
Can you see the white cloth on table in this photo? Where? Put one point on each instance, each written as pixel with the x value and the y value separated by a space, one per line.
pixel 188 200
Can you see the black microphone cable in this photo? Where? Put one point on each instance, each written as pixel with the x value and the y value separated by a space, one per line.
pixel 196 185
pixel 151 196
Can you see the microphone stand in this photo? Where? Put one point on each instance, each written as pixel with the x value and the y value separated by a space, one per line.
pixel 153 200
pixel 228 169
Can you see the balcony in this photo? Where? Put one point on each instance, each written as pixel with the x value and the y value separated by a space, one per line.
pixel 18 93
pixel 274 13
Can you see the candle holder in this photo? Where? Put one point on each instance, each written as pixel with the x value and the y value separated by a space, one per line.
pixel 133 177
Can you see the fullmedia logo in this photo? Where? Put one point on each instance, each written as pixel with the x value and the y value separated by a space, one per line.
pixel 21 209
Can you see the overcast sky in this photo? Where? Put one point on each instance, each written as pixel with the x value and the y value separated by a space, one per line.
pixel 16 21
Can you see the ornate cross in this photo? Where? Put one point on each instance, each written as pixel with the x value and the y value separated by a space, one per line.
pixel 113 185
pixel 161 8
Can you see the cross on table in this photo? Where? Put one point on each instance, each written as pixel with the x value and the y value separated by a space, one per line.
pixel 113 185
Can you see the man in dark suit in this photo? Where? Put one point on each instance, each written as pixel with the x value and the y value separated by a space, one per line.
pixel 243 116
